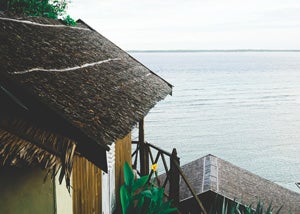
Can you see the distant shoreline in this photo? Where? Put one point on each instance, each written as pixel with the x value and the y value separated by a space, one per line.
pixel 195 51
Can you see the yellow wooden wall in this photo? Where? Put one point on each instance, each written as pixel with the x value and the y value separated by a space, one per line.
pixel 123 153
pixel 87 179
pixel 86 187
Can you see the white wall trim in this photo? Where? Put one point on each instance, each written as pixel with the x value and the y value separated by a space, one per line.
pixel 63 199
pixel 108 183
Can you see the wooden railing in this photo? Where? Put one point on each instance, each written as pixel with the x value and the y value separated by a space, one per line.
pixel 146 155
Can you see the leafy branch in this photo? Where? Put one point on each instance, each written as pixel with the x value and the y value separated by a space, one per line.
pixel 55 9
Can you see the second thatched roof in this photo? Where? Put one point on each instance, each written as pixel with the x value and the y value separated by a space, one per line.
pixel 212 174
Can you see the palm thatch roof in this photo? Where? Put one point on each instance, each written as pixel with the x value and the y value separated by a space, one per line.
pixel 68 87
pixel 211 176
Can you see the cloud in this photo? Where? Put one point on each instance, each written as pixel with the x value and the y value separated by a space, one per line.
pixel 156 24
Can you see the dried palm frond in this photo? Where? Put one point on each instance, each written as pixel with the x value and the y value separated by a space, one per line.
pixel 24 144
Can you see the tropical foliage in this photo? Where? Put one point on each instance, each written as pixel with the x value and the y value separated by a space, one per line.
pixel 234 208
pixel 55 9
pixel 140 198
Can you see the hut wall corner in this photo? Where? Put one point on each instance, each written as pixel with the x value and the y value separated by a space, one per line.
pixel 89 190
pixel 123 154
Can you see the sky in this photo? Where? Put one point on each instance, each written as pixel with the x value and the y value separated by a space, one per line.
pixel 193 24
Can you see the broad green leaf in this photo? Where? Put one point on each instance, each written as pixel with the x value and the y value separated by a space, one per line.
pixel 232 209
pixel 169 210
pixel 161 195
pixel 125 199
pixel 165 205
pixel 139 183
pixel 147 193
pixel 155 194
pixel 128 175
pixel 140 202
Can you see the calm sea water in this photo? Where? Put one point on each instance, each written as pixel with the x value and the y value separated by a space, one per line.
pixel 243 107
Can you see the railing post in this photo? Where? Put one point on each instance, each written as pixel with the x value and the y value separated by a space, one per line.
pixel 144 156
pixel 174 178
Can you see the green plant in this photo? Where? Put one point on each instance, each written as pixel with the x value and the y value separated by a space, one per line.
pixel 234 208
pixel 54 9
pixel 260 209
pixel 140 198
pixel 69 21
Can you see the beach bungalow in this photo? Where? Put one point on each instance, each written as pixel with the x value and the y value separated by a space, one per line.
pixel 215 179
pixel 69 99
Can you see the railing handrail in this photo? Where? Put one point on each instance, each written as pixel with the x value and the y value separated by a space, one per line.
pixel 174 163
pixel 155 147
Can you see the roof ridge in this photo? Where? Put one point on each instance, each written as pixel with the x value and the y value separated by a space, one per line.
pixel 210 180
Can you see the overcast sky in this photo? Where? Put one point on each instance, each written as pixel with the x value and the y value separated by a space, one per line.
pixel 193 24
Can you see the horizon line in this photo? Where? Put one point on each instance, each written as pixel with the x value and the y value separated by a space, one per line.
pixel 212 50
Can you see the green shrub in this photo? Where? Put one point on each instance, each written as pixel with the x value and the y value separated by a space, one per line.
pixel 140 198
pixel 45 8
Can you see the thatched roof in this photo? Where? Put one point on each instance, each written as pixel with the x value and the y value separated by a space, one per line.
pixel 71 82
pixel 212 174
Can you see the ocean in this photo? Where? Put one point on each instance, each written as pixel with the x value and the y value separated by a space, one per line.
pixel 243 107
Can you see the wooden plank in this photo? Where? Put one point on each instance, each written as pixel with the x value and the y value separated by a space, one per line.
pixel 86 187
pixel 87 197
pixel 123 154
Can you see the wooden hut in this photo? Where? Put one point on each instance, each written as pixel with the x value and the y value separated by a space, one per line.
pixel 67 94
pixel 215 179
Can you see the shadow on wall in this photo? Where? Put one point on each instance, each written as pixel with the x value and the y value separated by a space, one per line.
pixel 25 190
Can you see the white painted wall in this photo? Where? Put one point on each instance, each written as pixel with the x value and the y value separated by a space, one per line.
pixel 108 184
pixel 64 204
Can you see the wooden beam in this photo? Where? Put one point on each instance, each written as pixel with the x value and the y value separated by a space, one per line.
pixel 190 187
pixel 174 177
pixel 144 156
